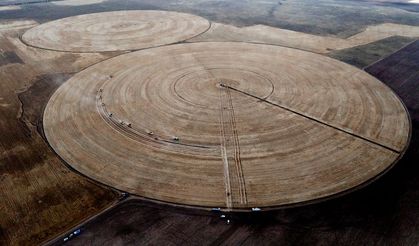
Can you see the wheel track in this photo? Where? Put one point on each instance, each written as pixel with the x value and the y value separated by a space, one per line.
pixel 230 136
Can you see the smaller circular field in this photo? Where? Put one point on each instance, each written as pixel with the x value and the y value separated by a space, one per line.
pixel 115 31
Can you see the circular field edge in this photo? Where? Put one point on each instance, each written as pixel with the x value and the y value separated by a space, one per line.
pixel 263 208
pixel 29 44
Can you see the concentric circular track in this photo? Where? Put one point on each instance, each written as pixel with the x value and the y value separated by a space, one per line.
pixel 230 125
pixel 115 31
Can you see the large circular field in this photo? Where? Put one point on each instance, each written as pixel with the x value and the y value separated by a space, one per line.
pixel 230 125
pixel 115 31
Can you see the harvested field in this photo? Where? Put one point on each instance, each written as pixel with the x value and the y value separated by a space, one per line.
pixel 386 212
pixel 250 130
pixel 115 31
pixel 43 198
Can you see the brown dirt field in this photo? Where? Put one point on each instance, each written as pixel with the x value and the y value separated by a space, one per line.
pixel 40 196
